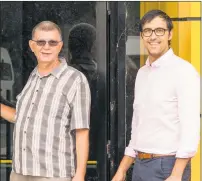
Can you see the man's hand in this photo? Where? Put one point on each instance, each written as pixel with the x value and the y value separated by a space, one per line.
pixel 125 164
pixel 119 176
pixel 7 113
pixel 78 177
pixel 173 178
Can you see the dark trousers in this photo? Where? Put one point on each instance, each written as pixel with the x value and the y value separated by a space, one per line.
pixel 157 169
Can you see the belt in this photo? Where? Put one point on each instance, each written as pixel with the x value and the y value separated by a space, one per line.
pixel 142 155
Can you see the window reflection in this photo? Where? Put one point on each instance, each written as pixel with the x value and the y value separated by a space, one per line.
pixel 132 58
pixel 5 71
pixel 17 22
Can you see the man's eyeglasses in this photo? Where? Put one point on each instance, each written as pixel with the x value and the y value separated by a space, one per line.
pixel 51 43
pixel 158 32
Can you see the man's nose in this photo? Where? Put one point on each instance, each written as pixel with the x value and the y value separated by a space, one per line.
pixel 153 35
pixel 46 46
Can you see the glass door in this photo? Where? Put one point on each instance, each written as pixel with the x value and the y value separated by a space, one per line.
pixel 17 61
pixel 124 64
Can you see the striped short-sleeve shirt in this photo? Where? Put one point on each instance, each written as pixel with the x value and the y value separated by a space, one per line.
pixel 48 111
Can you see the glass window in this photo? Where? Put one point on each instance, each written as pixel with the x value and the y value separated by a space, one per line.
pixel 3 139
pixel 132 59
pixel 5 71
pixel 17 21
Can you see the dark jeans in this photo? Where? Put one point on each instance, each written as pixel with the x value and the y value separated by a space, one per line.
pixel 157 169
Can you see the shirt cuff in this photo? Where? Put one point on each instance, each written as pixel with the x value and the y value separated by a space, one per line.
pixel 130 152
pixel 181 154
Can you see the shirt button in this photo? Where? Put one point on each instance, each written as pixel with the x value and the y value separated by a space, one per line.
pixel 25 132
pixel 27 117
pixel 24 149
pixel 33 103
pixel 37 90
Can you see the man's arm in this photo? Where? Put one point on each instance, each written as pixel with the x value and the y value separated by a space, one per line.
pixel 82 150
pixel 7 113
pixel 130 153
pixel 125 164
pixel 188 92
pixel 178 169
pixel 80 121
pixel 128 159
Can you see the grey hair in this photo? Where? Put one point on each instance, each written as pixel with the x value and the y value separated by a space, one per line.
pixel 46 26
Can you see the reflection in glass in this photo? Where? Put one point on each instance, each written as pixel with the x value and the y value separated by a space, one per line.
pixel 132 63
pixel 5 71
pixel 81 43
pixel 17 22
pixel 132 59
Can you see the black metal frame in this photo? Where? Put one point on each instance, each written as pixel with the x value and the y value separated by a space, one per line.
pixel 102 85
pixel 117 83
pixel 117 86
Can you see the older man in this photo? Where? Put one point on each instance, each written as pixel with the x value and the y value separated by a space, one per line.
pixel 51 136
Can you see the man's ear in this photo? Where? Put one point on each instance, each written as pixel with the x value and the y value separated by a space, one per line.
pixel 170 35
pixel 31 45
pixel 60 45
pixel 141 35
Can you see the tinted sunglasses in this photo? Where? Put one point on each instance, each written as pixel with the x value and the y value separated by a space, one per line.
pixel 51 43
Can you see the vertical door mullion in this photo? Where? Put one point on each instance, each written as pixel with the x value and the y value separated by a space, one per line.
pixel 101 47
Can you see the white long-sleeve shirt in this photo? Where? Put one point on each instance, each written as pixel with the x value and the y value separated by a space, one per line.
pixel 166 109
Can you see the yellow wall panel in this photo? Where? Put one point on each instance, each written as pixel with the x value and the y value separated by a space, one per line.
pixel 195 9
pixel 184 40
pixel 174 41
pixel 146 6
pixel 195 167
pixel 171 8
pixel 184 9
pixel 195 61
pixel 195 42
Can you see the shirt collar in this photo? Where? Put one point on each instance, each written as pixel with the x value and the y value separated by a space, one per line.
pixel 55 72
pixel 58 70
pixel 163 60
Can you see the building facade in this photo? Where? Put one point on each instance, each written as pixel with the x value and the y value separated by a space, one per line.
pixel 118 54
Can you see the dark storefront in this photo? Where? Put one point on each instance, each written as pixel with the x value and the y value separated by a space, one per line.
pixel 117 57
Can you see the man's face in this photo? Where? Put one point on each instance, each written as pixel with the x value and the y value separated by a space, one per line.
pixel 46 51
pixel 156 45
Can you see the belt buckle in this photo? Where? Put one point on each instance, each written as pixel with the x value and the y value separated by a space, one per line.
pixel 142 156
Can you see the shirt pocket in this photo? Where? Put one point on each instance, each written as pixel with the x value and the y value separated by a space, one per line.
pixel 56 105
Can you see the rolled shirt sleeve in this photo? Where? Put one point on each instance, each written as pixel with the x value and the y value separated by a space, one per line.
pixel 80 117
pixel 188 93
pixel 129 151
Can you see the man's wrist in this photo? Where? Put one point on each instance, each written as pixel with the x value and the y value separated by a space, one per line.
pixel 176 175
pixel 179 167
pixel 81 173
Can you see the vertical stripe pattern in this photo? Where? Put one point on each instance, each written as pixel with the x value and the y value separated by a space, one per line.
pixel 49 109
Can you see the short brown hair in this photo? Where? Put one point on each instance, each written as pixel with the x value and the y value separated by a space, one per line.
pixel 46 26
pixel 150 15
